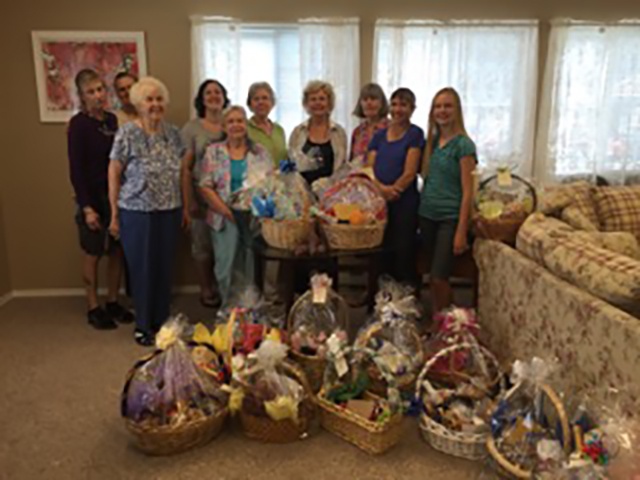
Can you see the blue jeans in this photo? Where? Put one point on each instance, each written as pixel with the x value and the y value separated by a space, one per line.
pixel 233 249
pixel 150 241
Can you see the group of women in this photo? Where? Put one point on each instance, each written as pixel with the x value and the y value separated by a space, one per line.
pixel 160 177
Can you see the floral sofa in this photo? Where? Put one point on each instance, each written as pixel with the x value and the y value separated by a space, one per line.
pixel 570 290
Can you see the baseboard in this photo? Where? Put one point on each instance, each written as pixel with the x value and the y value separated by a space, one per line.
pixel 6 298
pixel 80 292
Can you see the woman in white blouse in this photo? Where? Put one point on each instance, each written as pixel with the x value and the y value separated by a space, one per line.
pixel 318 145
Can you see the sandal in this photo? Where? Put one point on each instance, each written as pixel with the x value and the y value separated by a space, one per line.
pixel 210 302
pixel 143 338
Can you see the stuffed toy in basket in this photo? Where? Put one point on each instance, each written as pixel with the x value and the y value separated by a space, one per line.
pixel 170 404
pixel 315 316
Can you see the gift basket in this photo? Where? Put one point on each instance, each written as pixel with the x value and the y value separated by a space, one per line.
pixel 242 325
pixel 456 419
pixel 502 204
pixel 352 213
pixel 169 404
pixel 348 409
pixel 283 204
pixel 603 447
pixel 529 417
pixel 453 326
pixel 316 315
pixel 394 335
pixel 271 395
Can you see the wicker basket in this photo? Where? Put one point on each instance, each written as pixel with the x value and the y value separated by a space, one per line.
pixel 286 234
pixel 354 237
pixel 378 385
pixel 504 467
pixel 170 439
pixel 372 437
pixel 503 229
pixel 167 440
pixel 312 365
pixel 471 446
pixel 267 430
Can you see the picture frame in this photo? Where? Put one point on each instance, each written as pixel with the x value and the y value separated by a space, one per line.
pixel 59 55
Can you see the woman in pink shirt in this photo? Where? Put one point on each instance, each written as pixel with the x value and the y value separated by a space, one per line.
pixel 372 108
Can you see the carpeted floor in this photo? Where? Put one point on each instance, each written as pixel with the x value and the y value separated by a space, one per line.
pixel 59 419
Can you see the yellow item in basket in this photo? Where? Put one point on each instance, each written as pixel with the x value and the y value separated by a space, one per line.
pixel 235 399
pixel 344 210
pixel 491 209
pixel 219 339
pixel 282 407
pixel 274 334
pixel 201 334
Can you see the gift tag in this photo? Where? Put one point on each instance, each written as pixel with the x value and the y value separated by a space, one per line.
pixel 320 294
pixel 504 178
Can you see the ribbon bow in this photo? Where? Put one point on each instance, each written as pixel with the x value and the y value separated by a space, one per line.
pixel 288 166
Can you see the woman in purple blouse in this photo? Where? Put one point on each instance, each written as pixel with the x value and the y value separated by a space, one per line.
pixel 89 140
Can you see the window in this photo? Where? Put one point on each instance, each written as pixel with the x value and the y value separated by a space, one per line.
pixel 492 65
pixel 285 55
pixel 590 115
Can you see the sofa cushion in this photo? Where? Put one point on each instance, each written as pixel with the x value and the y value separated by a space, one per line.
pixel 605 274
pixel 539 232
pixel 573 203
pixel 623 243
pixel 619 209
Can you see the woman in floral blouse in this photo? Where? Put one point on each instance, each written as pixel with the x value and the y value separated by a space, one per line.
pixel 144 192
pixel 372 108
pixel 228 169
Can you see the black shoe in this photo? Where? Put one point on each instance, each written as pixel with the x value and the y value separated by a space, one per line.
pixel 118 313
pixel 143 338
pixel 99 319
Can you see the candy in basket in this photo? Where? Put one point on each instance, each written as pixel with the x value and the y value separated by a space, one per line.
pixel 529 417
pixel 272 396
pixel 168 402
pixel 315 316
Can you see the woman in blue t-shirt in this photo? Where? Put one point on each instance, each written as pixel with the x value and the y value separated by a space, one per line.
pixel 445 202
pixel 395 155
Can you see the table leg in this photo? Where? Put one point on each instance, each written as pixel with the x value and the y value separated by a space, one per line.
pixel 287 276
pixel 258 269
pixel 372 279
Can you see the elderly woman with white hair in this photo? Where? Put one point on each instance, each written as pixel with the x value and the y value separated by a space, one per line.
pixel 146 206
pixel 228 168
pixel 318 145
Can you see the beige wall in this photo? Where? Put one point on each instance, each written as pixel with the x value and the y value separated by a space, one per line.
pixel 5 277
pixel 40 236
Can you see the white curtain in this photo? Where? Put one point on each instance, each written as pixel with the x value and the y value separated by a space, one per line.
pixel 330 51
pixel 215 52
pixel 492 65
pixel 589 120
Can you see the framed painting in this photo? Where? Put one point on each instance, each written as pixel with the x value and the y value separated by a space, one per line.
pixel 59 56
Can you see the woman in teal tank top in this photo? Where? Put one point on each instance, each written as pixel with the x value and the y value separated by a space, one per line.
pixel 445 201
